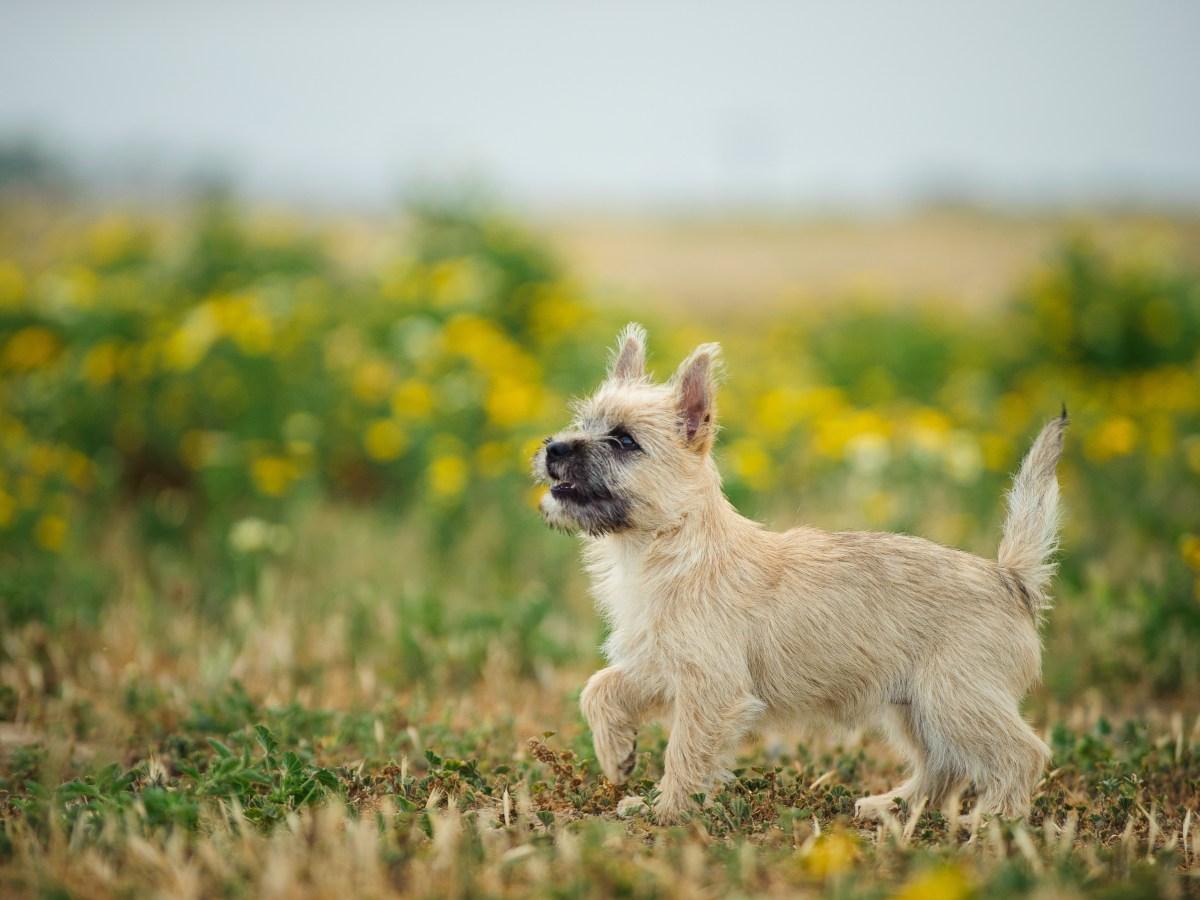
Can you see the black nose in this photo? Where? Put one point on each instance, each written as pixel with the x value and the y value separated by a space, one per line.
pixel 558 449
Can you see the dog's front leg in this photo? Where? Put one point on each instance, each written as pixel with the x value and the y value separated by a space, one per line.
pixel 613 704
pixel 710 719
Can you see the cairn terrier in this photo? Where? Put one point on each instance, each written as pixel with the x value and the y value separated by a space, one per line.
pixel 719 626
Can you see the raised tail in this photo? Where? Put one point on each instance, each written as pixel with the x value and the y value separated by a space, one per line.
pixel 1031 528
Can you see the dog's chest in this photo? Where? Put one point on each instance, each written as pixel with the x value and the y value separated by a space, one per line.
pixel 626 599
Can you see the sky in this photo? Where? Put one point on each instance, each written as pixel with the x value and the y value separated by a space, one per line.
pixel 620 104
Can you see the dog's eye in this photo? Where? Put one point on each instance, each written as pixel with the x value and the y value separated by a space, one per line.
pixel 622 440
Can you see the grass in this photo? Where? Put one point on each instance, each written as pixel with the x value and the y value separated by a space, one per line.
pixel 277 616
pixel 292 750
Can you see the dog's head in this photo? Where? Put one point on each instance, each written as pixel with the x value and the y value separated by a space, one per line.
pixel 637 456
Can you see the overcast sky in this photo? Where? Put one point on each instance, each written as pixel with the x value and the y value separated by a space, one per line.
pixel 614 103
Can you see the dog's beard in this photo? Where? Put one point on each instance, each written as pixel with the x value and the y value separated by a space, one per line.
pixel 578 500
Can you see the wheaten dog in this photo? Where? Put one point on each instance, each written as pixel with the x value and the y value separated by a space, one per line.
pixel 719 626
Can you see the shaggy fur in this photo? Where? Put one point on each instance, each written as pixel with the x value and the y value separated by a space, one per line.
pixel 720 626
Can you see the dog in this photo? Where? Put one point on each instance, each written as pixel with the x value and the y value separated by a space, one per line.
pixel 719 626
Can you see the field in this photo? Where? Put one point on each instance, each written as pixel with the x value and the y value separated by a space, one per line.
pixel 279 617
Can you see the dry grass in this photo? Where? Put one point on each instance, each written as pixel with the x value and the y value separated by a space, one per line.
pixel 444 783
pixel 724 264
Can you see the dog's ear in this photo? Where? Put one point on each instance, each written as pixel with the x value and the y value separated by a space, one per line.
pixel 629 362
pixel 695 385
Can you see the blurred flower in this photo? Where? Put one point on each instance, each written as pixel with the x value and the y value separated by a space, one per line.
pixel 493 458
pixel 273 475
pixel 412 399
pixel 30 348
pixel 252 535
pixel 751 463
pixel 448 475
pixel 12 284
pixel 50 532
pixel 189 343
pixel 373 381
pixel 511 401
pixel 832 854
pixel 963 458
pixel 868 453
pixel 947 882
pixel 1116 436
pixel 384 440
pixel 99 364
pixel 1189 549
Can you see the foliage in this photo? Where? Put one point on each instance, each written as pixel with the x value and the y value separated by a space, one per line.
pixel 273 588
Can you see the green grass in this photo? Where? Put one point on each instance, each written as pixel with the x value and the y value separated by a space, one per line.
pixel 277 615
pixel 293 748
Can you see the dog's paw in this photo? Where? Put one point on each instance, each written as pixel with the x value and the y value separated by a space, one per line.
pixel 617 758
pixel 875 808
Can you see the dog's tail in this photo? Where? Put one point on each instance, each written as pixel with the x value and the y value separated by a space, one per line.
pixel 1031 529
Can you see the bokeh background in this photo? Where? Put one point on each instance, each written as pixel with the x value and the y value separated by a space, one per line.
pixel 289 292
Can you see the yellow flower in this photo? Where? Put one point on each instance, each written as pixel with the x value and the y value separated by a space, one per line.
pixel 99 365
pixel 492 458
pixel 110 239
pixel 79 470
pixel 832 854
pixel 1115 437
pixel 457 282
pixel 373 381
pixel 190 342
pixel 253 333
pixel 1189 549
pixel 12 284
pixel 412 399
pixel 272 475
pixel 384 440
pixel 448 475
pixel 31 348
pixel 944 883
pixel 511 401
pixel 50 532
pixel 752 463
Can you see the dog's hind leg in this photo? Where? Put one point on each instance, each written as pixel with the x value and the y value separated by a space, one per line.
pixel 1012 767
pixel 935 778
pixel 974 728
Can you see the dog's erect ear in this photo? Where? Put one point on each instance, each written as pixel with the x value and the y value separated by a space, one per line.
pixel 629 364
pixel 695 395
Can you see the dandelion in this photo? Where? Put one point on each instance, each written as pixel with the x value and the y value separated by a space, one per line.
pixel 942 883
pixel 1115 437
pixel 50 532
pixel 493 458
pixel 100 363
pixel 448 475
pixel 384 440
pixel 832 854
pixel 30 348
pixel 412 399
pixel 511 401
pixel 373 381
pixel 1189 549
pixel 190 342
pixel 12 284
pixel 752 463
pixel 272 475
